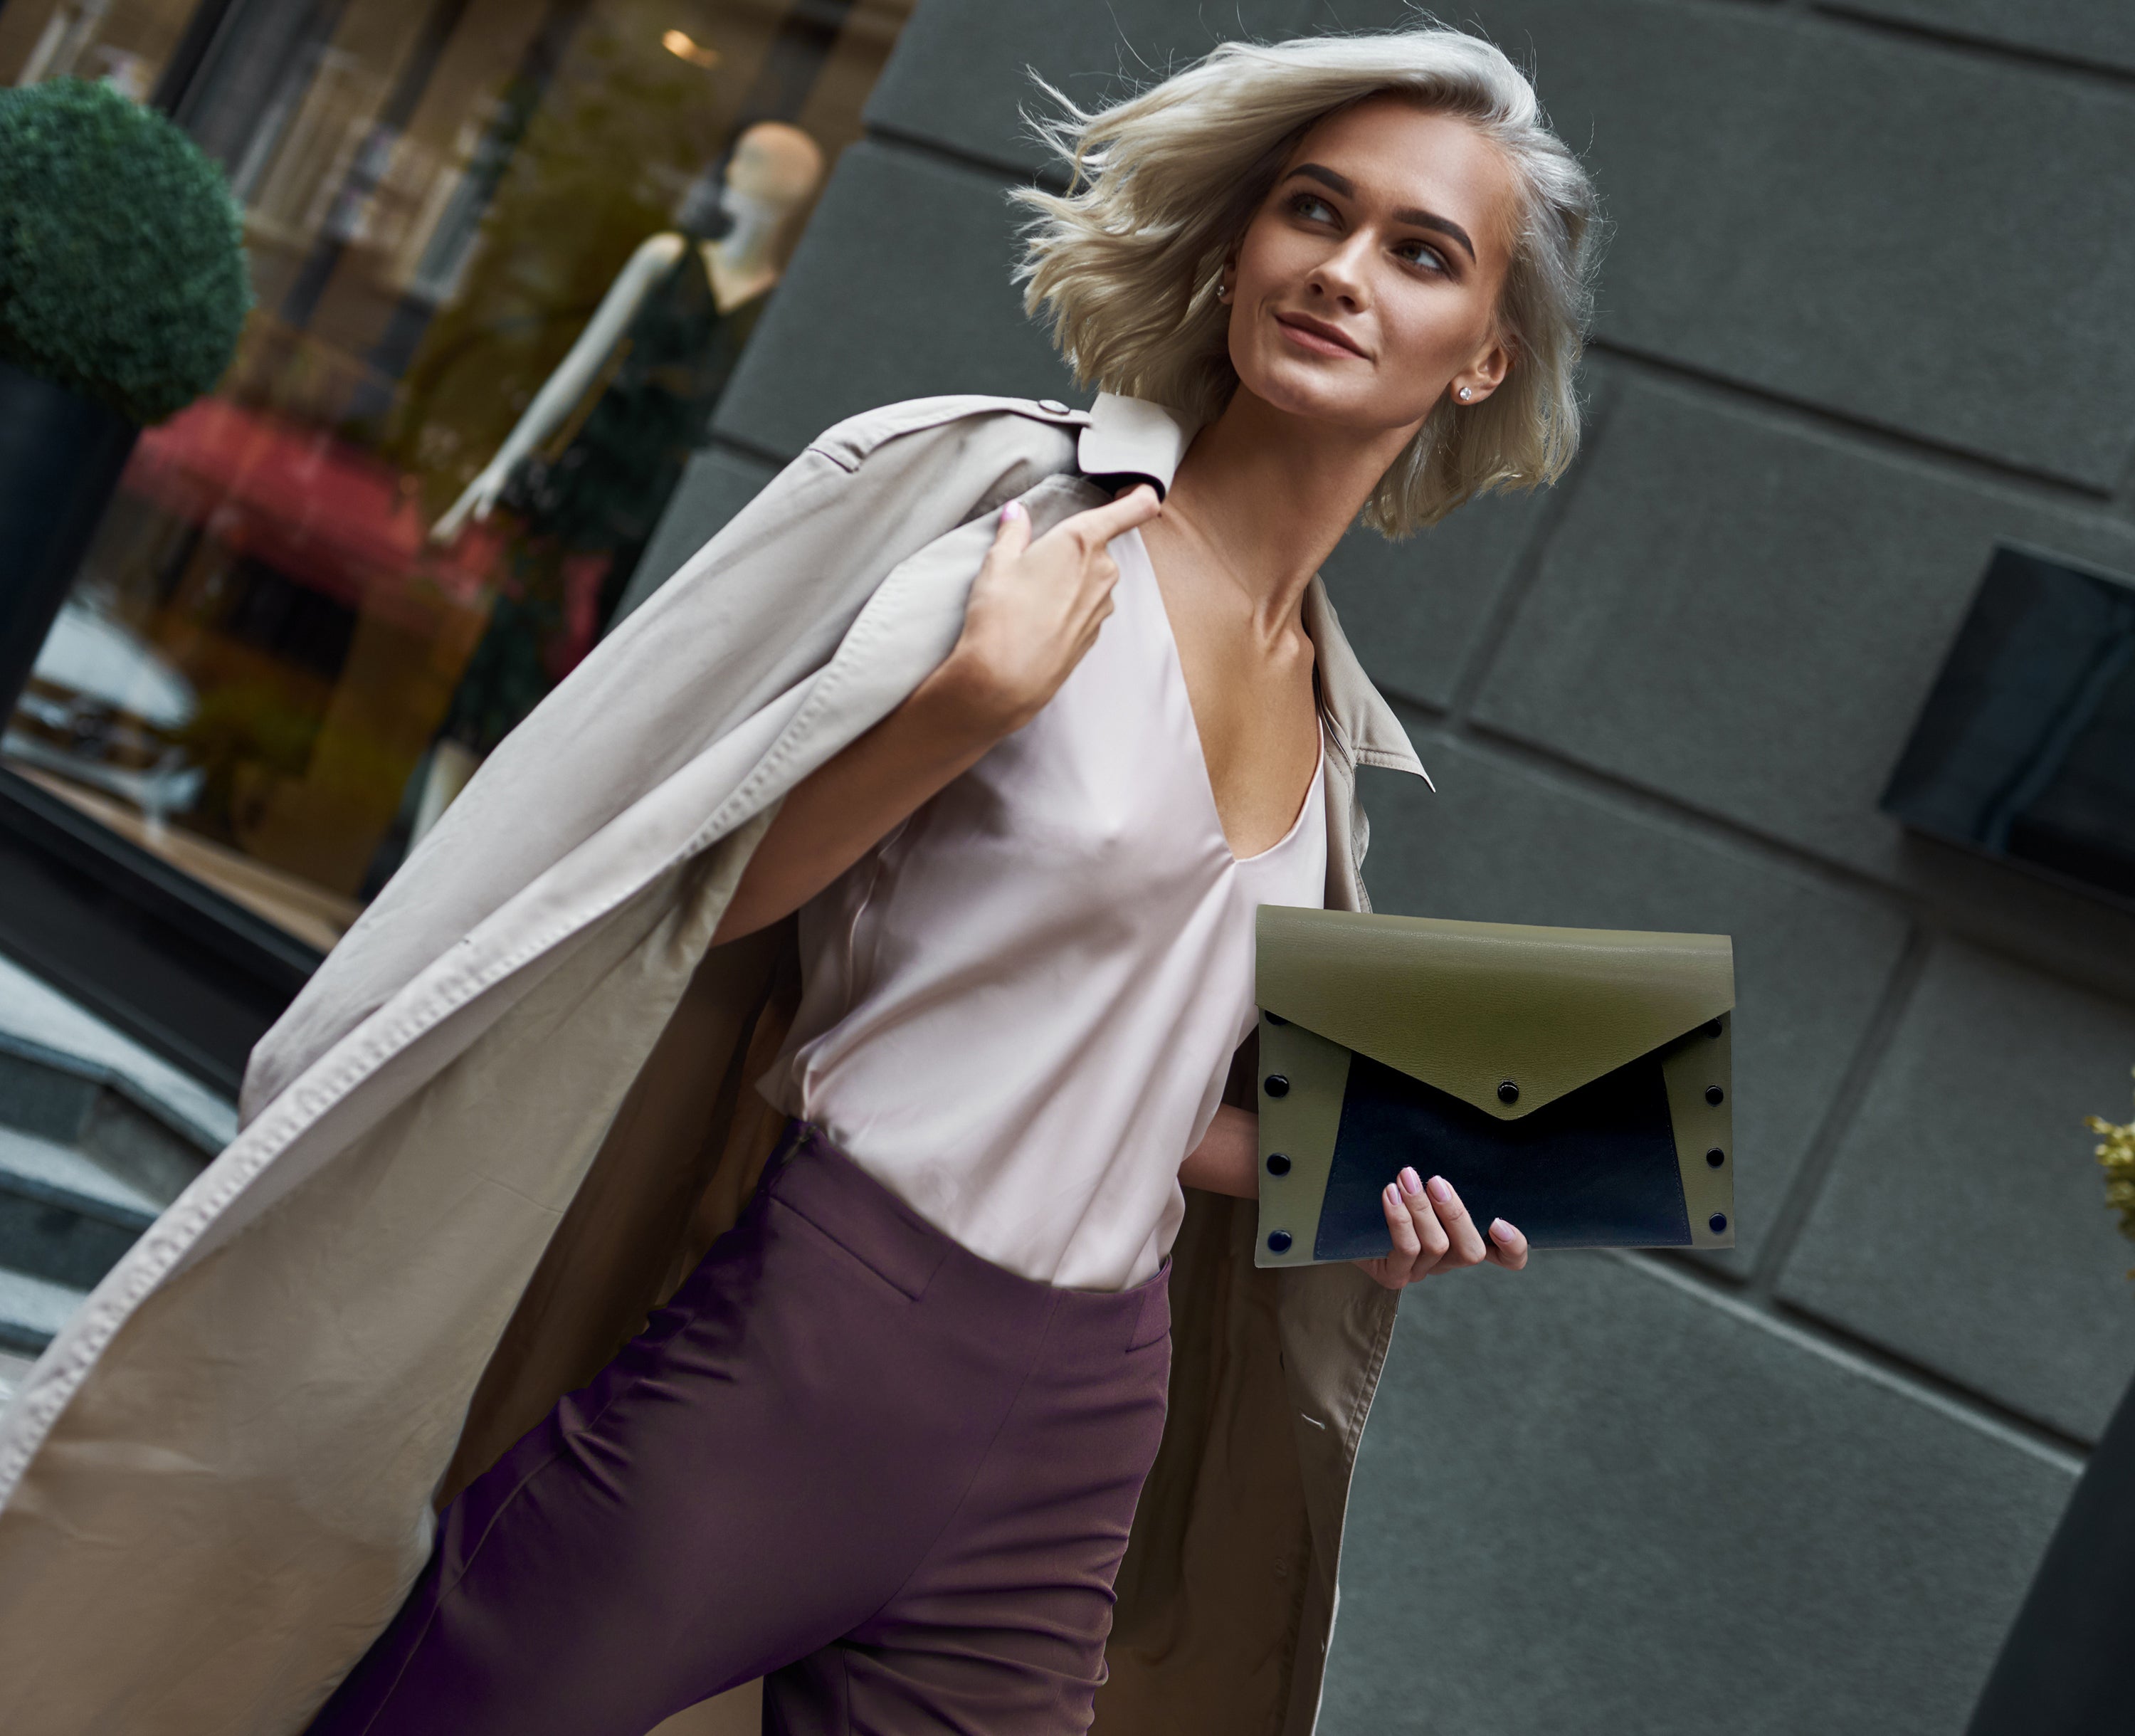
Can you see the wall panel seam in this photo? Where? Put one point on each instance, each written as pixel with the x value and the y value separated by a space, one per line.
pixel 1869 1362
pixel 1839 1114
pixel 1883 439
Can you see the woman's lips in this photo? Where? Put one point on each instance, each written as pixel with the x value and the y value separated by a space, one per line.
pixel 1317 335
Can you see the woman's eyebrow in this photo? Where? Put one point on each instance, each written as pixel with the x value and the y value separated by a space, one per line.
pixel 1414 218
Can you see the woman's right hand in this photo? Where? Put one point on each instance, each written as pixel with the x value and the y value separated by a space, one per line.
pixel 1034 610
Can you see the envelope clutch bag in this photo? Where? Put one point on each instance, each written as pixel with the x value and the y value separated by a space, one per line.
pixel 1574 1082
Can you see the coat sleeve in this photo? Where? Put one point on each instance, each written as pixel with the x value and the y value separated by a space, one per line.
pixel 763 606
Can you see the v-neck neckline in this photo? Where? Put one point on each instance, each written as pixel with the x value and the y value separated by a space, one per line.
pixel 1178 666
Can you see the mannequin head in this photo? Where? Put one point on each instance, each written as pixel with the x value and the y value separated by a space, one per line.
pixel 777 164
pixel 772 170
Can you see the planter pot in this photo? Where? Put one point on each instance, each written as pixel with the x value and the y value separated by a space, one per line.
pixel 2062 1671
pixel 60 458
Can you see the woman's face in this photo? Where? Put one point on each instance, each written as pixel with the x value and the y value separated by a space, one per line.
pixel 1365 287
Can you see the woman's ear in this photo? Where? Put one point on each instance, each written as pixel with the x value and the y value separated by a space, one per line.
pixel 1485 375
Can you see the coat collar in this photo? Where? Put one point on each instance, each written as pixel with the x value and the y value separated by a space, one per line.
pixel 1364 721
pixel 1132 437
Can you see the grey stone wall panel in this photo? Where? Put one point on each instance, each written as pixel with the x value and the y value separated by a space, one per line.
pixel 900 289
pixel 2100 32
pixel 1414 609
pixel 1963 1224
pixel 1503 843
pixel 1907 233
pixel 1747 616
pixel 961 75
pixel 1590 1502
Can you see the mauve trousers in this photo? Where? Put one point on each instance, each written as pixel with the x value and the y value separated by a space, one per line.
pixel 849 1457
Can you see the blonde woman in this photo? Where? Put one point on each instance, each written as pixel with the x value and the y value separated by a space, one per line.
pixel 1017 714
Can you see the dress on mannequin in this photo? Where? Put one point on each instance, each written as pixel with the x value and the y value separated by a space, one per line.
pixel 587 513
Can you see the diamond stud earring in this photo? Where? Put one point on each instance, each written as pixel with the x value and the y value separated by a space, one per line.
pixel 1466 393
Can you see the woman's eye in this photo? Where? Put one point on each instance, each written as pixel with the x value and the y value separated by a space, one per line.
pixel 1423 253
pixel 1312 208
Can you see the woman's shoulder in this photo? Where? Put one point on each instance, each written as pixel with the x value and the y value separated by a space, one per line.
pixel 1037 428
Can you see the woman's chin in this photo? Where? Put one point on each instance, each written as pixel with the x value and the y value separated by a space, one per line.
pixel 1311 393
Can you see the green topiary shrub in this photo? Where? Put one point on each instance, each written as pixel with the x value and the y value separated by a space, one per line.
pixel 121 259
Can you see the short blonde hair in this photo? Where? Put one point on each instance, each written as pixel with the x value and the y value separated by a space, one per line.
pixel 1124 265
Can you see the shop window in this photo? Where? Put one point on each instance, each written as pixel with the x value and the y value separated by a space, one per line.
pixel 507 254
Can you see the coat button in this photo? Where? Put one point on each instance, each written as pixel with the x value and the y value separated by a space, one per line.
pixel 1278 1241
pixel 1715 1096
pixel 1278 1165
pixel 1052 405
pixel 1508 1092
pixel 1718 1220
pixel 1275 1085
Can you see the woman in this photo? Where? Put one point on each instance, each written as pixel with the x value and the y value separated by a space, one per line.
pixel 885 1441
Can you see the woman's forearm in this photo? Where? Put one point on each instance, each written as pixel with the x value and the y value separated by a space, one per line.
pixel 1228 1160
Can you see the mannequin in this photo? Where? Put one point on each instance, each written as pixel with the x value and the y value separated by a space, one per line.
pixel 631 401
pixel 775 169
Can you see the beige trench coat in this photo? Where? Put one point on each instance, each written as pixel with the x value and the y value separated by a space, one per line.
pixel 513 1107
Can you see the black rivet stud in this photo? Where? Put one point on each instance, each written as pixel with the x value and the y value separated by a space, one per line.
pixel 1508 1092
pixel 1715 1096
pixel 1275 1084
pixel 1715 1157
pixel 1718 1220
pixel 1278 1241
pixel 1278 1165
pixel 1712 1028
pixel 1274 1018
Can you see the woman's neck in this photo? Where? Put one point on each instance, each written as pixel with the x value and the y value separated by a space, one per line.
pixel 1269 495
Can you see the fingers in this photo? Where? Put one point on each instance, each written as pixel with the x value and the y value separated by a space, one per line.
pixel 1013 535
pixel 1464 1245
pixel 1100 525
pixel 1424 1224
pixel 1508 1247
pixel 1395 1270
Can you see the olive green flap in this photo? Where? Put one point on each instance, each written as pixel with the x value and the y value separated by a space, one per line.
pixel 1469 1005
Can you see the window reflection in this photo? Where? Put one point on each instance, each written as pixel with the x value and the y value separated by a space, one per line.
pixel 506 256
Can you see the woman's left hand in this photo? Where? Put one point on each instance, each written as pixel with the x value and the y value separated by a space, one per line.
pixel 1433 1233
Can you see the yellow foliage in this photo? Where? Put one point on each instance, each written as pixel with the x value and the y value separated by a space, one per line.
pixel 2116 1157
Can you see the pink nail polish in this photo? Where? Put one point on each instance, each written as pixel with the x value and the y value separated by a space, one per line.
pixel 1014 509
pixel 1411 1183
pixel 1442 1190
pixel 1501 1231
